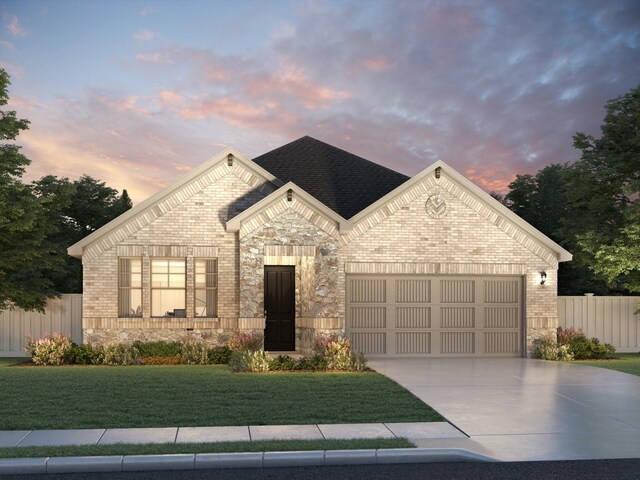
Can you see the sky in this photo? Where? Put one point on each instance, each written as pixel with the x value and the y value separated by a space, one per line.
pixel 137 93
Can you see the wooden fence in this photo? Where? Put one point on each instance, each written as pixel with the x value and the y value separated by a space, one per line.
pixel 610 319
pixel 62 315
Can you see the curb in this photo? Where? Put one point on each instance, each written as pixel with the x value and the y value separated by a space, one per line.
pixel 202 461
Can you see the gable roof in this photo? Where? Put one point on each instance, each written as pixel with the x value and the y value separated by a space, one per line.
pixel 344 182
pixel 482 200
pixel 147 205
pixel 234 224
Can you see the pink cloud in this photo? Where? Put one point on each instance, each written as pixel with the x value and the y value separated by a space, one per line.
pixel 13 25
pixel 295 84
pixel 377 63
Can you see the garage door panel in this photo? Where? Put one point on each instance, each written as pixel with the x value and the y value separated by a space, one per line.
pixel 413 291
pixel 502 291
pixel 435 315
pixel 457 317
pixel 369 343
pixel 367 291
pixel 501 342
pixel 457 291
pixel 412 343
pixel 457 342
pixel 413 317
pixel 501 317
pixel 368 317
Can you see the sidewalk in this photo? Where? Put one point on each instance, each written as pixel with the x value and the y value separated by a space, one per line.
pixel 415 432
pixel 110 436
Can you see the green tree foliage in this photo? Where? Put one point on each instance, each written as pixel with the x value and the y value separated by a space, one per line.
pixel 605 188
pixel 27 258
pixel 592 207
pixel 543 201
pixel 75 209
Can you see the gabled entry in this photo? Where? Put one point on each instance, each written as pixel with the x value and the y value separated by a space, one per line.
pixel 280 308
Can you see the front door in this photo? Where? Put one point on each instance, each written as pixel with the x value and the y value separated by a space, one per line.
pixel 280 308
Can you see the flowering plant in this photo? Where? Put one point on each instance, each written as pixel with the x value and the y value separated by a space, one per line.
pixel 49 349
pixel 242 341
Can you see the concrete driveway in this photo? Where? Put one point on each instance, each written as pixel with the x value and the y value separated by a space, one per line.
pixel 521 409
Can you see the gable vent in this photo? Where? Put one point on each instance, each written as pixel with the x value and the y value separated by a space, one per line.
pixel 289 195
pixel 230 160
pixel 438 171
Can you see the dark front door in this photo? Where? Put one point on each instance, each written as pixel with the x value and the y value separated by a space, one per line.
pixel 280 308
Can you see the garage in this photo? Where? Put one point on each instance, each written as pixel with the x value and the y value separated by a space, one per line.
pixel 412 315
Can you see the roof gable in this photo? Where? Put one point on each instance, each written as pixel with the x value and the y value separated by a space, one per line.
pixel 344 182
pixel 473 196
pixel 292 193
pixel 183 188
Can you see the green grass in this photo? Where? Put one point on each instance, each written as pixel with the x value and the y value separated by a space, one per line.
pixel 222 447
pixel 163 396
pixel 624 362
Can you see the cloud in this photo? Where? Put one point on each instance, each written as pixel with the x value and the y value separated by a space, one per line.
pixel 12 24
pixel 493 89
pixel 145 35
pixel 147 11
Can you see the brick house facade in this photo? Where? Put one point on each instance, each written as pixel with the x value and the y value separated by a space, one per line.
pixel 430 265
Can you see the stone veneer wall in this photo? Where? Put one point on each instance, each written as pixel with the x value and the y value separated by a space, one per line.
pixel 289 238
pixel 189 225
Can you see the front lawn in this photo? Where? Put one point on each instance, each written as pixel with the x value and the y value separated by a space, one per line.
pixel 623 362
pixel 163 396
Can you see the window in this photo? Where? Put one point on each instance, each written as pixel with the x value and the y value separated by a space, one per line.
pixel 130 287
pixel 168 287
pixel 206 280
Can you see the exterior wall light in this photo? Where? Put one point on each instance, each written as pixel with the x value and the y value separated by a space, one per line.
pixel 543 277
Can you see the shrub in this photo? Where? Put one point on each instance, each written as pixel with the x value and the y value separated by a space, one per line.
pixel 160 348
pixel 583 348
pixel 219 355
pixel 314 363
pixel 321 341
pixel 248 361
pixel 84 354
pixel 121 354
pixel 243 341
pixel 546 348
pixel 195 353
pixel 48 350
pixel 174 360
pixel 283 362
pixel 336 349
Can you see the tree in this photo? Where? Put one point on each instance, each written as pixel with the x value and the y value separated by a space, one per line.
pixel 606 185
pixel 28 258
pixel 76 209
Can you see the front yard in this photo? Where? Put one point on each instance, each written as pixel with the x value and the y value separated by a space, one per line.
pixel 623 362
pixel 162 396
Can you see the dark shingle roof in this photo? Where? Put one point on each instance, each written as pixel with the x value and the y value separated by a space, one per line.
pixel 341 180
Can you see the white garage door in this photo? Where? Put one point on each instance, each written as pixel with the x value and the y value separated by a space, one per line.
pixel 407 315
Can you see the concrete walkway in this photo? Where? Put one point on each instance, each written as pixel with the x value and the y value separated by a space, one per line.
pixel 516 409
pixel 111 436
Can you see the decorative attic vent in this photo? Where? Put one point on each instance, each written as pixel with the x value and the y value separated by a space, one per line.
pixel 289 195
pixel 438 171
pixel 230 159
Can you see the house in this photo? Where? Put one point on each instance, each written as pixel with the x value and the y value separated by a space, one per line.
pixel 309 238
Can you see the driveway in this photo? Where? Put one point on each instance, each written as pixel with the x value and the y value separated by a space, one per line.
pixel 522 409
